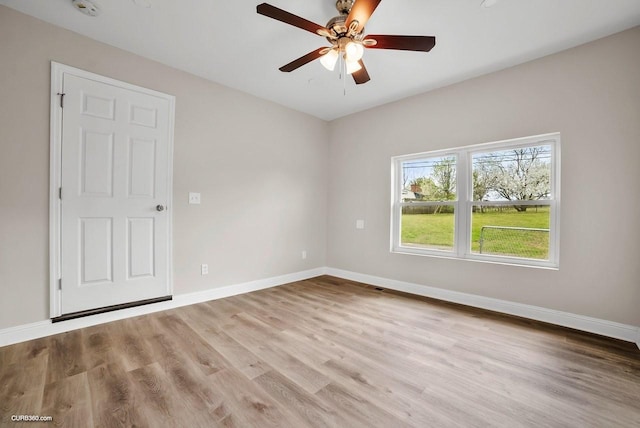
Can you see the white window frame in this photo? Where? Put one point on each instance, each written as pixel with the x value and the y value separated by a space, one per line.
pixel 464 203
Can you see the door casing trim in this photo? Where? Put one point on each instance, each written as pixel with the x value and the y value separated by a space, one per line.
pixel 58 71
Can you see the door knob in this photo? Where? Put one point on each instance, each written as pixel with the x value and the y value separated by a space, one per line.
pixel 159 207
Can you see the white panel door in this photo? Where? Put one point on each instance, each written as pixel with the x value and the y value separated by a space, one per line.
pixel 115 183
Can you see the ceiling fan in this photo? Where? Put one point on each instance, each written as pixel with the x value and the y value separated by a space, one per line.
pixel 345 32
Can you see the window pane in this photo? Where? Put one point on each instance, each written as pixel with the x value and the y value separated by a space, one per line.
pixel 512 175
pixel 430 227
pixel 429 179
pixel 515 231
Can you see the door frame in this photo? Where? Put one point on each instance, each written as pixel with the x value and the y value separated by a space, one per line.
pixel 58 71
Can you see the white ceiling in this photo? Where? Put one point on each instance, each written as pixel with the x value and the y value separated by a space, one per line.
pixel 229 43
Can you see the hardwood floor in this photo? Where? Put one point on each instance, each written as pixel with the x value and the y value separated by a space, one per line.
pixel 324 352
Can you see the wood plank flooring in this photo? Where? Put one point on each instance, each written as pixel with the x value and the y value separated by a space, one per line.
pixel 324 352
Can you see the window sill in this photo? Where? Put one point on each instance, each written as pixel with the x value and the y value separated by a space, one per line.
pixel 504 261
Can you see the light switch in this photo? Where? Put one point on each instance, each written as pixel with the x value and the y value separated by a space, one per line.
pixel 194 198
pixel 359 224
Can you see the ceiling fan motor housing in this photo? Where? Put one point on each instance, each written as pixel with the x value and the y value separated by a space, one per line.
pixel 344 6
pixel 338 29
pixel 337 24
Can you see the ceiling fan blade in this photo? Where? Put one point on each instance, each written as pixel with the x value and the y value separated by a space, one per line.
pixel 361 12
pixel 302 60
pixel 289 18
pixel 361 76
pixel 403 43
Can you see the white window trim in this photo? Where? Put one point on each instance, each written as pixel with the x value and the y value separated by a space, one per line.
pixel 463 205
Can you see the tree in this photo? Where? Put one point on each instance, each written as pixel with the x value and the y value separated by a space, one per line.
pixel 483 182
pixel 519 175
pixel 485 178
pixel 444 177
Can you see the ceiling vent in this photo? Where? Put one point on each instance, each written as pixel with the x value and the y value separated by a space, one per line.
pixel 87 7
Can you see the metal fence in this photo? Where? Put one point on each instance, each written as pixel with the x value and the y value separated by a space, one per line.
pixel 525 242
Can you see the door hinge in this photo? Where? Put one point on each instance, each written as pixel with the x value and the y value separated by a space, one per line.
pixel 62 94
pixel 60 284
pixel 60 193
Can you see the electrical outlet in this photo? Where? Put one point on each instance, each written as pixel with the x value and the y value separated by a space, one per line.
pixel 304 254
pixel 194 198
pixel 204 269
pixel 359 224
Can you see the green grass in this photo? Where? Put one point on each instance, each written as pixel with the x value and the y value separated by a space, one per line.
pixel 436 231
pixel 431 230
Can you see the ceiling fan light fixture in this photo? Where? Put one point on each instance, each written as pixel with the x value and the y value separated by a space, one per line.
pixel 353 66
pixel 354 51
pixel 329 59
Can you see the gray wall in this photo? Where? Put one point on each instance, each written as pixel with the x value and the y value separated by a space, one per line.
pixel 264 172
pixel 261 170
pixel 591 94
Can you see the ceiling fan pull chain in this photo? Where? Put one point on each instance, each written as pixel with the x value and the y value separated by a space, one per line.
pixel 344 81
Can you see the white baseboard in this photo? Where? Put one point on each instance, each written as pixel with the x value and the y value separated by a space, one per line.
pixel 612 329
pixel 39 329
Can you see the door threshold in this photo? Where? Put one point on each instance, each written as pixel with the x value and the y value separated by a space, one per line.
pixel 102 310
